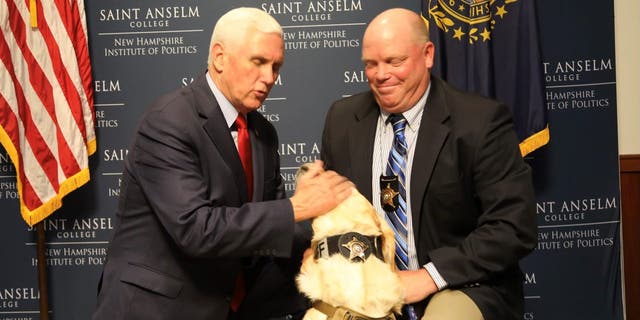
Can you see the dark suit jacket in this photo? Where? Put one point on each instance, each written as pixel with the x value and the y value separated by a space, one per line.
pixel 472 198
pixel 185 227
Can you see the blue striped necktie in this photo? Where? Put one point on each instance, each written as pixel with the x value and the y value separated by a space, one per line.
pixel 396 166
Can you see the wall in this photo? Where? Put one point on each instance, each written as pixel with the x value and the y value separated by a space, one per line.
pixel 627 23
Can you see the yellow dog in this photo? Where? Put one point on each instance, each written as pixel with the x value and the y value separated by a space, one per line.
pixel 351 273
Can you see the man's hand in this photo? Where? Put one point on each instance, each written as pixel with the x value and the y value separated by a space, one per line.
pixel 318 191
pixel 417 285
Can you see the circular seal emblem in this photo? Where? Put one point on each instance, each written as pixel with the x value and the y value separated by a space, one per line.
pixel 471 20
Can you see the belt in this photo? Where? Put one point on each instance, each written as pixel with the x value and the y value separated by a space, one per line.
pixel 341 313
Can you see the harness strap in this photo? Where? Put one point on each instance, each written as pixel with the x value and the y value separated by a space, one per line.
pixel 342 313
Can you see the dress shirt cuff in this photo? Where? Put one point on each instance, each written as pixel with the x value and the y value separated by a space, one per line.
pixel 435 275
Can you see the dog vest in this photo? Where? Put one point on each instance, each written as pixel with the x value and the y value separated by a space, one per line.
pixel 351 245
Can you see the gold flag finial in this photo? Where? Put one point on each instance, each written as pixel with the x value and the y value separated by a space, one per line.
pixel 33 13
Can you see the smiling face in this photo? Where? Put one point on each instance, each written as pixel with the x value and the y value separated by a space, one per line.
pixel 247 67
pixel 397 59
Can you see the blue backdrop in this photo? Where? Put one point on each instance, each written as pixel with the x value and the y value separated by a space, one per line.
pixel 140 49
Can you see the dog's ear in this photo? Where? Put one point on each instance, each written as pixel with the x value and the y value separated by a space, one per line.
pixel 388 243
pixel 389 251
pixel 308 258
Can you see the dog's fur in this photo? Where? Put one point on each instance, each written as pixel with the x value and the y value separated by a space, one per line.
pixel 372 287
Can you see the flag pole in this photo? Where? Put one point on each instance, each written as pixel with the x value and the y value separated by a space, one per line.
pixel 42 262
pixel 42 273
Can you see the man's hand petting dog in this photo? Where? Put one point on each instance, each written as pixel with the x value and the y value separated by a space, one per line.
pixel 318 191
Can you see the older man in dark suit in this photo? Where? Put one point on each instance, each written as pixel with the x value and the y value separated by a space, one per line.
pixel 444 168
pixel 203 225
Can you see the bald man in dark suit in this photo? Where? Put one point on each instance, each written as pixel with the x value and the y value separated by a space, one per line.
pixel 468 197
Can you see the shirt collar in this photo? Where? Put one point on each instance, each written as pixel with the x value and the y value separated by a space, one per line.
pixel 413 114
pixel 230 113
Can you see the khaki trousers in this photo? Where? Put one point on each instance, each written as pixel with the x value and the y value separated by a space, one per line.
pixel 451 305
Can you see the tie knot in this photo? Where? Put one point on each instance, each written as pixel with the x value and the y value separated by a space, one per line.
pixel 241 122
pixel 398 121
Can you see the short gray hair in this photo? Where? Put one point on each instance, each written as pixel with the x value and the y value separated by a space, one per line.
pixel 233 23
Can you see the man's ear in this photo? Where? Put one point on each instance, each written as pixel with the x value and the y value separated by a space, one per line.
pixel 428 53
pixel 217 57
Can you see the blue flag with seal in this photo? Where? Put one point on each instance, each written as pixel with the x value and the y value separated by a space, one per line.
pixel 491 47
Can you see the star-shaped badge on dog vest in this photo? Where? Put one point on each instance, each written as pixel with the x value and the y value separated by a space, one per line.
pixel 356 249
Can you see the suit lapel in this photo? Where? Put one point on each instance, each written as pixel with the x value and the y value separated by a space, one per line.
pixel 361 141
pixel 216 127
pixel 431 138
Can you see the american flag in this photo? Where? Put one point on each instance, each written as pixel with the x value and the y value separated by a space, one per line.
pixel 46 100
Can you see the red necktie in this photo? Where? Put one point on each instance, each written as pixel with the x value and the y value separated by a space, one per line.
pixel 244 150
pixel 238 293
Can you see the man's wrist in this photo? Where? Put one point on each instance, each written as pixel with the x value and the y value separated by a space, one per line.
pixel 436 276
